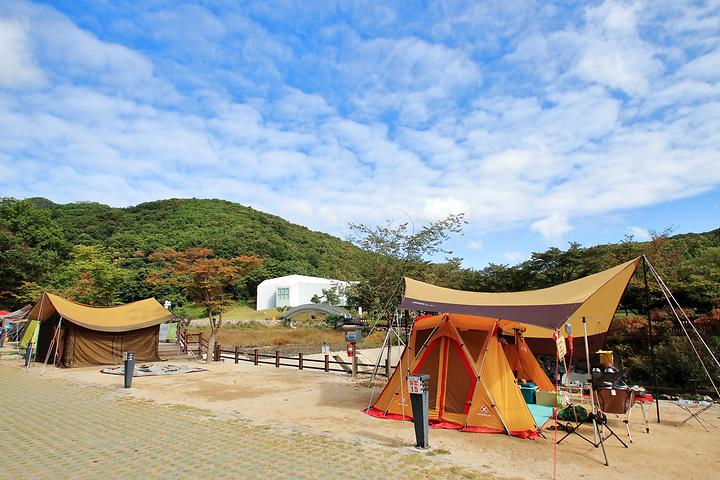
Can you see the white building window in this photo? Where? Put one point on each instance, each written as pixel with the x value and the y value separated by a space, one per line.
pixel 282 297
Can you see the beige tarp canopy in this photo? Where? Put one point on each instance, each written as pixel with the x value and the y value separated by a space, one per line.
pixel 123 318
pixel 594 297
pixel 77 335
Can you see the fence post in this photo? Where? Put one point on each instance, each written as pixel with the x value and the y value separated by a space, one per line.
pixel 200 344
pixel 327 362
pixel 300 361
pixel 256 356
pixel 277 358
pixel 217 352
pixel 354 362
pixel 237 354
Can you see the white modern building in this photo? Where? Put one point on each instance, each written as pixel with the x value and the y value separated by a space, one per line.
pixel 293 290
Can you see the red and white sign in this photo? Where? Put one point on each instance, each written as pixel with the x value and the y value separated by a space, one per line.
pixel 414 385
pixel 350 351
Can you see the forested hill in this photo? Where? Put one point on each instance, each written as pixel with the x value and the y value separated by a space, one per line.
pixel 230 229
pixel 37 236
pixel 99 254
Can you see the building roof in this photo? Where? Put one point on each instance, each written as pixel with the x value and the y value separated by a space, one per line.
pixel 289 279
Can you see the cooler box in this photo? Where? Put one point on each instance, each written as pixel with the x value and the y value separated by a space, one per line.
pixel 528 390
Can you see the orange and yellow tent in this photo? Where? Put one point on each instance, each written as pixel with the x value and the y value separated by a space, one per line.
pixel 472 384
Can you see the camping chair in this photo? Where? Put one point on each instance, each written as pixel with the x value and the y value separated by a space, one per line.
pixel 700 407
pixel 618 401
pixel 611 395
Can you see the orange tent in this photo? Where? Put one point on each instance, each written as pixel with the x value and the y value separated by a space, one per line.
pixel 472 386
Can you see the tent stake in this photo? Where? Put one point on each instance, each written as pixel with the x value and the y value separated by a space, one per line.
pixel 650 338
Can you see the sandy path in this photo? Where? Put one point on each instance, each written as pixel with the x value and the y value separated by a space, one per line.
pixel 333 403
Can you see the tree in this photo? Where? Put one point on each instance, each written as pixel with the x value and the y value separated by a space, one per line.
pixel 207 280
pixel 31 245
pixel 91 276
pixel 398 251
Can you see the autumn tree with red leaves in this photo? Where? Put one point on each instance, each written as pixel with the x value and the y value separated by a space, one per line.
pixel 205 279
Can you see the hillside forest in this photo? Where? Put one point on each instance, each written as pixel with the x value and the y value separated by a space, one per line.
pixel 99 255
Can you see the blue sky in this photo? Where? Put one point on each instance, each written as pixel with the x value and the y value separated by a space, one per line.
pixel 545 124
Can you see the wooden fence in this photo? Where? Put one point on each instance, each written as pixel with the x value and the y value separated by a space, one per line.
pixel 711 328
pixel 197 343
pixel 300 361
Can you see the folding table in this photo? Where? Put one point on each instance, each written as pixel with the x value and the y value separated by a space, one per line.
pixel 700 407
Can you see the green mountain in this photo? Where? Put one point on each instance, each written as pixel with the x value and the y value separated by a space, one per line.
pixel 39 249
pixel 38 234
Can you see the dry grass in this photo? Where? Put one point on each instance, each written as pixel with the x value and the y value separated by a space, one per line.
pixel 301 339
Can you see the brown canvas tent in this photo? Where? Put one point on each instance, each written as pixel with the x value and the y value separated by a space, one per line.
pixel 594 297
pixel 94 336
pixel 472 385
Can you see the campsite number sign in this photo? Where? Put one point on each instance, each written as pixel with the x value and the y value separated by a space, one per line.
pixel 415 385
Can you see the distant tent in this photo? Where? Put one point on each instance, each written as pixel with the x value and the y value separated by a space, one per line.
pixel 13 321
pixel 16 316
pixel 594 297
pixel 472 386
pixel 94 336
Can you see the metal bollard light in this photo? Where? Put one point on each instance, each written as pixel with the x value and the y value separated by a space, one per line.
pixel 28 354
pixel 129 359
pixel 419 400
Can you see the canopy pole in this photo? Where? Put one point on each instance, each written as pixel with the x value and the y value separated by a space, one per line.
pixel 650 339
pixel 598 437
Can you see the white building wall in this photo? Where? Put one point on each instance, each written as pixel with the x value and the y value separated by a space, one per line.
pixel 265 296
pixel 301 290
pixel 308 290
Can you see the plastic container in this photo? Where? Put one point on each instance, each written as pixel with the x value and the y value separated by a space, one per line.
pixel 528 390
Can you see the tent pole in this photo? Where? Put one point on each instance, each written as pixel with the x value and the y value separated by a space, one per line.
pixel 650 339
pixel 37 331
pixel 52 343
pixel 598 439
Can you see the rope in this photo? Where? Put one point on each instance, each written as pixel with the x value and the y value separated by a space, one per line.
pixel 677 317
pixel 662 282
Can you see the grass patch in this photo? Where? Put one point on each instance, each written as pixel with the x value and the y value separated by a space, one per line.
pixel 438 451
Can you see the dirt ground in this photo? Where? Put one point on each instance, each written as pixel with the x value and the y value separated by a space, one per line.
pixel 331 403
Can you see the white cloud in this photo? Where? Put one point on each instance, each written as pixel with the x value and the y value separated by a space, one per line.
pixel 17 66
pixel 639 233
pixel 552 228
pixel 513 257
pixel 612 52
pixel 440 207
pixel 475 245
pixel 574 117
